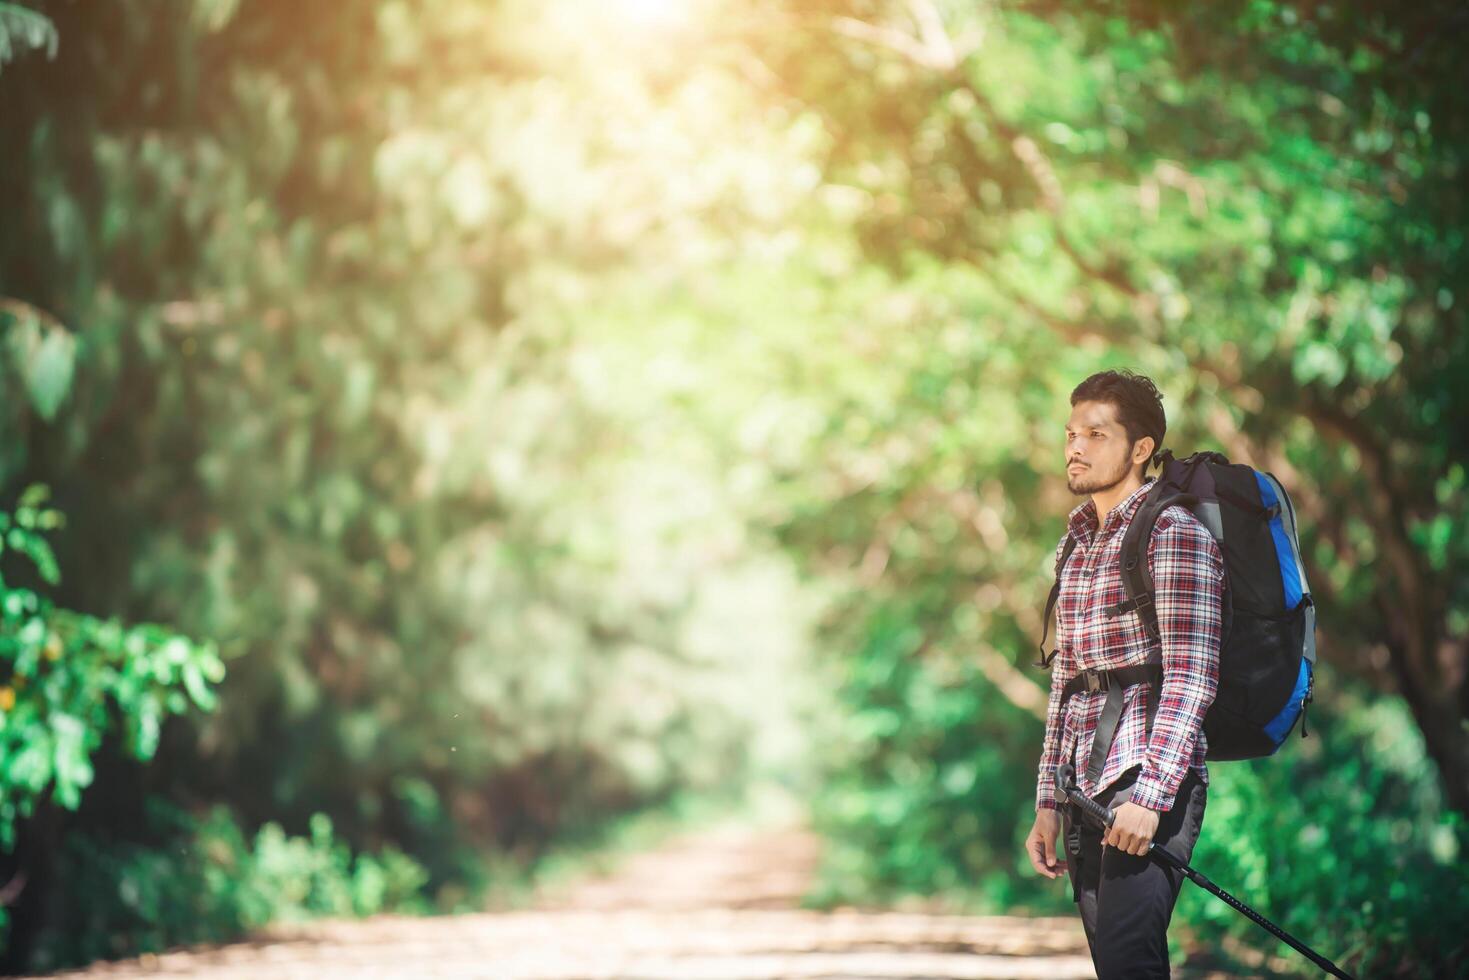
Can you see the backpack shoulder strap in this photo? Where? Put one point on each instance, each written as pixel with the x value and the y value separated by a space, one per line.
pixel 1045 662
pixel 1137 579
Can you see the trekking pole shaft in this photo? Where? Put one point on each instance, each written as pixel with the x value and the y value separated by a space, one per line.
pixel 1202 880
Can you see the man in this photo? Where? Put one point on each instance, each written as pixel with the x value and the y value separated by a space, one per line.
pixel 1154 780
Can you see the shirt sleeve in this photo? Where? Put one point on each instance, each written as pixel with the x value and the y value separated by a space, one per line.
pixel 1188 583
pixel 1063 668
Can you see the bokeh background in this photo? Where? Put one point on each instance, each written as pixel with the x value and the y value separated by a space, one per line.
pixel 433 432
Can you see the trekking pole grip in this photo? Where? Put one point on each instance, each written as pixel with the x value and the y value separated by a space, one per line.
pixel 1066 783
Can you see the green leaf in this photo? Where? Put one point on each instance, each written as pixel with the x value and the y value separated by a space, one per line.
pixel 49 373
pixel 198 687
pixel 34 496
pixel 44 354
pixel 25 30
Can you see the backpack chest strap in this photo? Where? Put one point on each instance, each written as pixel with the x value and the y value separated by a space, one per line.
pixel 1113 681
pixel 1127 605
pixel 1108 680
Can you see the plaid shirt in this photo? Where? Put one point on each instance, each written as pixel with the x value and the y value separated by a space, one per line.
pixel 1188 579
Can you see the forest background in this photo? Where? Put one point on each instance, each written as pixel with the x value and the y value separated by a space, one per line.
pixel 433 431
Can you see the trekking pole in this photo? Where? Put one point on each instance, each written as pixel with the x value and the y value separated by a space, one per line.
pixel 1066 783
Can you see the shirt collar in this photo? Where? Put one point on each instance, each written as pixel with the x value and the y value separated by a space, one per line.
pixel 1083 520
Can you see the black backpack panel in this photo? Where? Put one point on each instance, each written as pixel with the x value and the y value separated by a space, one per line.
pixel 1267 651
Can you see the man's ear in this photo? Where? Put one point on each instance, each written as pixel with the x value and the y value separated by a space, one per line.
pixel 1147 443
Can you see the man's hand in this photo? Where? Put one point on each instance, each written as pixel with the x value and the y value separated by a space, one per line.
pixel 1040 845
pixel 1132 829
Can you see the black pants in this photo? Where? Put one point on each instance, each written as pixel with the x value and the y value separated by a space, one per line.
pixel 1127 901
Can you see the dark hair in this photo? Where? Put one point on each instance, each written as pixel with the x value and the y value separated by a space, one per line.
pixel 1137 400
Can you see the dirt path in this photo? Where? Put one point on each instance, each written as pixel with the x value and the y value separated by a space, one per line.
pixel 720 904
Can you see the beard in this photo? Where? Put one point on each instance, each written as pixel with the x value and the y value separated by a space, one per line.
pixel 1091 480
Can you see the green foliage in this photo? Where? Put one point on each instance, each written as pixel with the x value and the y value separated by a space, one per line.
pixel 475 377
pixel 42 355
pixel 335 406
pixel 69 679
pixel 1259 205
pixel 24 30
pixel 1342 839
pixel 924 788
pixel 211 882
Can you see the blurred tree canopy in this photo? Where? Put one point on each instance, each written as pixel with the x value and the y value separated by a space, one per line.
pixel 549 406
pixel 1263 201
pixel 323 268
pixel 1260 204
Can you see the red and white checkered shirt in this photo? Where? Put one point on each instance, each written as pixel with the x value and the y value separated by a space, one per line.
pixel 1188 578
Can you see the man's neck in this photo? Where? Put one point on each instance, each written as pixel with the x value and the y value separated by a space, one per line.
pixel 1106 500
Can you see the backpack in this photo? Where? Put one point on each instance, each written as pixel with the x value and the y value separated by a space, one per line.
pixel 1267 653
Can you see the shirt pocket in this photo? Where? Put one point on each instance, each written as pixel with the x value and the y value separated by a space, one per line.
pixel 1125 635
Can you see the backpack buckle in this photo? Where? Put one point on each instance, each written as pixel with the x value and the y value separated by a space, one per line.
pixel 1095 681
pixel 1128 605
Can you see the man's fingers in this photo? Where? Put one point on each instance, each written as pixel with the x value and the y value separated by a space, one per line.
pixel 1056 865
pixel 1036 851
pixel 1129 843
pixel 1036 857
pixel 1042 855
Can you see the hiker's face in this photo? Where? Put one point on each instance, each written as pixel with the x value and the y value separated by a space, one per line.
pixel 1098 455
